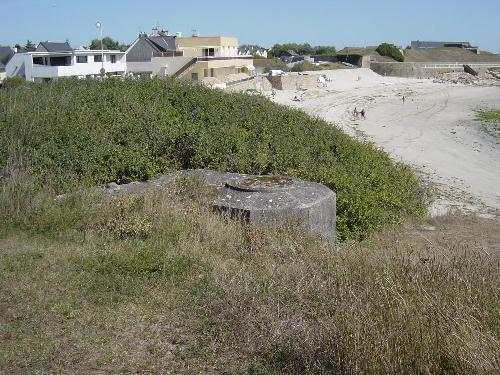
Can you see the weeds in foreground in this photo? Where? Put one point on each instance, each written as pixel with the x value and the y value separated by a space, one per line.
pixel 196 294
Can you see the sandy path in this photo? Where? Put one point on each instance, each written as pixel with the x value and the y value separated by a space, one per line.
pixel 434 131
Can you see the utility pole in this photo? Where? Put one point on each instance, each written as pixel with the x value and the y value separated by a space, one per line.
pixel 98 24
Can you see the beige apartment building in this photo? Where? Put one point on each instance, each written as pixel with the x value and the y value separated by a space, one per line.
pixel 213 60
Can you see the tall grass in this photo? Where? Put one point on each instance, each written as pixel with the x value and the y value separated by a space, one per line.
pixel 157 283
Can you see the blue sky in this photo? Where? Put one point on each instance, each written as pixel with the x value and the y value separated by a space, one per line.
pixel 339 23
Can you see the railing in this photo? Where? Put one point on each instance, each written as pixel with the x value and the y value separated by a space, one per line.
pixel 232 83
pixel 47 71
pixel 194 60
pixel 168 54
pixel 432 65
pixel 211 58
pixel 189 64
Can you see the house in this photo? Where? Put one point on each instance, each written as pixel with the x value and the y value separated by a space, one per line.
pixel 290 57
pixel 211 59
pixel 140 52
pixel 253 51
pixel 6 53
pixel 53 60
pixel 53 47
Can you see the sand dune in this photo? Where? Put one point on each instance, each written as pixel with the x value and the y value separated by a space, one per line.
pixel 434 131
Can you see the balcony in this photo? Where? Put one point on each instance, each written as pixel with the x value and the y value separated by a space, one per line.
pixel 44 71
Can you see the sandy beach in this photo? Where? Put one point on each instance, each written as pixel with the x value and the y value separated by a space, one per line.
pixel 434 131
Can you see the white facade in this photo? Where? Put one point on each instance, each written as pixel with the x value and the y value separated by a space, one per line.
pixel 39 66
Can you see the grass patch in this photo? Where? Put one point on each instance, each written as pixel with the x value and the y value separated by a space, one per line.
pixel 491 120
pixel 489 115
pixel 270 64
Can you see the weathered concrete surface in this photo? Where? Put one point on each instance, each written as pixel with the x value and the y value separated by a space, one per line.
pixel 412 70
pixel 293 81
pixel 261 84
pixel 264 201
pixel 279 201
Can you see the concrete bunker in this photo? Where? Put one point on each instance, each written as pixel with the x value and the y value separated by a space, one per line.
pixel 267 201
pixel 263 201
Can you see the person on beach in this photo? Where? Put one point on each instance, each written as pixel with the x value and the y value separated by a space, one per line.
pixel 403 99
pixel 355 112
pixel 363 114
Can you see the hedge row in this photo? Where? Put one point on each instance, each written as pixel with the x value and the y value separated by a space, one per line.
pixel 97 132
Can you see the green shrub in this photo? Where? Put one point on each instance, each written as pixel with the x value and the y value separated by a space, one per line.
pixel 12 82
pixel 304 66
pixel 95 132
pixel 390 50
pixel 269 64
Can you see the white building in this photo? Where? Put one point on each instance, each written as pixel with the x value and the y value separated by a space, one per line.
pixel 53 60
pixel 254 51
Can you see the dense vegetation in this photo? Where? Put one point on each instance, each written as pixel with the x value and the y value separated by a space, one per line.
pixel 89 132
pixel 390 50
pixel 301 49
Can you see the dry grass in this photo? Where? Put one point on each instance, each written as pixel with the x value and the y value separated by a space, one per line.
pixel 181 291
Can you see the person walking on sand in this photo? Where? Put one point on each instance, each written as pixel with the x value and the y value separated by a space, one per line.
pixel 403 99
pixel 355 112
pixel 363 114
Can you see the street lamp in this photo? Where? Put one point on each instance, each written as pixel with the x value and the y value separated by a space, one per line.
pixel 98 24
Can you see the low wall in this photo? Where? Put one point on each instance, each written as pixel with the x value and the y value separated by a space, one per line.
pixel 413 70
pixel 294 82
pixel 260 84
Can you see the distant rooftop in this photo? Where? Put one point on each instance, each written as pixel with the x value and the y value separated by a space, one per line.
pixel 6 52
pixel 161 40
pixel 53 47
pixel 430 44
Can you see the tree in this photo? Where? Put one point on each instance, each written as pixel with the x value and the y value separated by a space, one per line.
pixel 390 50
pixel 107 43
pixel 325 50
pixel 250 46
pixel 29 45
pixel 302 49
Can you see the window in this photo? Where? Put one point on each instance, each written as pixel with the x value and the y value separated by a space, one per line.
pixel 81 59
pixel 60 61
pixel 97 58
pixel 113 59
pixel 210 52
